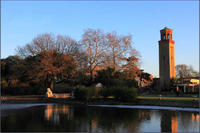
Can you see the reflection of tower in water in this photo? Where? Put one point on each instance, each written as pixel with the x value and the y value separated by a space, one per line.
pixel 169 122
pixel 174 124
pixel 195 117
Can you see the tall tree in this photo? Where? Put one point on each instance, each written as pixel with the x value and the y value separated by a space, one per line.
pixel 120 50
pixel 50 59
pixel 94 43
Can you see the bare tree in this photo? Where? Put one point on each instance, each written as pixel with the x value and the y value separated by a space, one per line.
pixel 94 43
pixel 184 71
pixel 121 50
pixel 67 45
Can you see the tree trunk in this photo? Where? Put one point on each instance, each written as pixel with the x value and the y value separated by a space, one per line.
pixel 51 86
pixel 91 75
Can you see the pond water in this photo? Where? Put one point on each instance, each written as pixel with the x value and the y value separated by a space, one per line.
pixel 59 117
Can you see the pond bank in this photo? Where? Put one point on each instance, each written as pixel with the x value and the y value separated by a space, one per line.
pixel 148 107
pixel 149 102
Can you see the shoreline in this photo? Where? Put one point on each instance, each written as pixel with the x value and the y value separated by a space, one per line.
pixel 142 102
pixel 148 107
pixel 17 106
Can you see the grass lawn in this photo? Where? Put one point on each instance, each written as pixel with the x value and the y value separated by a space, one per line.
pixel 168 98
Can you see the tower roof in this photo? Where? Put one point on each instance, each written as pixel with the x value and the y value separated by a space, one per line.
pixel 166 29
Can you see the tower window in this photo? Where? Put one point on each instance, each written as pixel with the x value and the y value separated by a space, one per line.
pixel 164 37
pixel 168 36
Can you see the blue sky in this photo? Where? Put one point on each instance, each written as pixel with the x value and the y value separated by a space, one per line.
pixel 21 21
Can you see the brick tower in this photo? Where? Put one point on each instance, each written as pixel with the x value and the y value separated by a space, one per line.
pixel 166 58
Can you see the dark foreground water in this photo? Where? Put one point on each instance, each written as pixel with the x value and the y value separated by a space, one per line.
pixel 55 118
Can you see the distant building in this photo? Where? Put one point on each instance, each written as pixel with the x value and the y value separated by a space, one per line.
pixel 193 81
pixel 188 85
pixel 166 58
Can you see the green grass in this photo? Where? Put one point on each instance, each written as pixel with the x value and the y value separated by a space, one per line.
pixel 172 95
pixel 168 98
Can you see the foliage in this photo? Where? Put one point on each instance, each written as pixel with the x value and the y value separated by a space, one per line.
pixel 83 93
pixel 11 69
pixel 48 60
pixel 4 84
pixel 62 88
pixel 146 76
pixel 130 68
pixel 172 82
pixel 81 78
pixel 110 77
pixel 184 71
pixel 105 76
pixel 106 92
pixel 19 90
pixel 123 94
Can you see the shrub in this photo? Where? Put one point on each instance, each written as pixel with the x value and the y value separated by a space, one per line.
pixel 4 84
pixel 92 91
pixel 125 94
pixel 106 91
pixel 83 93
pixel 122 94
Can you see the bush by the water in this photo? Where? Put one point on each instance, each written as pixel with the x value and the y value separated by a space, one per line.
pixel 84 93
pixel 125 94
pixel 122 94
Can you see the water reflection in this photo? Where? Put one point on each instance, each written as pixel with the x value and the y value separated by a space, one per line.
pixel 195 117
pixel 63 118
pixel 53 112
pixel 174 124
pixel 126 120
pixel 169 121
pixel 145 115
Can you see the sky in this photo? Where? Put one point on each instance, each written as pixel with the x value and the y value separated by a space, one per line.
pixel 21 21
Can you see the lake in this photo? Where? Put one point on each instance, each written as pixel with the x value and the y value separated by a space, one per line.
pixel 80 118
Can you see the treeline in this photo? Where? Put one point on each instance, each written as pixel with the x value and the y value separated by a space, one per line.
pixel 47 60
